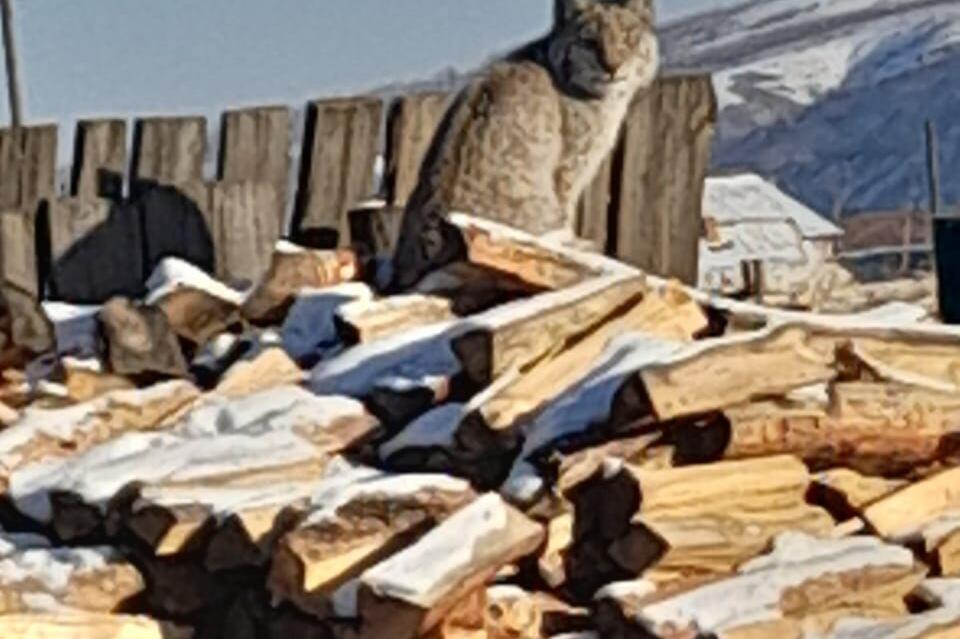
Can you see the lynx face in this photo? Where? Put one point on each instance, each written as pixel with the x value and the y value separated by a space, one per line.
pixel 601 47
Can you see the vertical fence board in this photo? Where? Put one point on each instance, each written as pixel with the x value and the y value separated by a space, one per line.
pixel 168 151
pixel 28 166
pixel 411 125
pixel 99 159
pixel 255 146
pixel 340 148
pixel 244 228
pixel 71 219
pixel 660 169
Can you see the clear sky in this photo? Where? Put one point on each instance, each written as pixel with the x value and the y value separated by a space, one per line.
pixel 124 57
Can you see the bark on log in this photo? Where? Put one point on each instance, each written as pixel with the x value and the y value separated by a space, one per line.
pixel 692 522
pixel 804 585
pixel 367 321
pixel 291 270
pixel 140 341
pixel 35 577
pixel 410 593
pixel 885 429
pixel 357 517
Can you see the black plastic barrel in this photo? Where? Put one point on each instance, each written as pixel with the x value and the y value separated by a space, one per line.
pixel 947 248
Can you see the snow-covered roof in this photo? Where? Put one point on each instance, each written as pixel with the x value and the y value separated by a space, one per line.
pixel 746 197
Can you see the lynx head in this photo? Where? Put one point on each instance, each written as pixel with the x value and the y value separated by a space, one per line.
pixel 600 46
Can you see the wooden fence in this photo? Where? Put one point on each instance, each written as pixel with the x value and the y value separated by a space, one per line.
pixel 644 206
pixel 884 244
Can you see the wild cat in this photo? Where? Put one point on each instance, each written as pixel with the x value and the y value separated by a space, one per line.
pixel 522 141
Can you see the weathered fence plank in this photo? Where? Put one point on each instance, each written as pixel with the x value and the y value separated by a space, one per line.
pixel 28 166
pixel 99 159
pixel 660 168
pixel 168 150
pixel 71 219
pixel 244 227
pixel 411 125
pixel 340 147
pixel 255 146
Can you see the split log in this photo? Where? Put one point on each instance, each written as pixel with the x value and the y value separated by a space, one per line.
pixel 42 435
pixel 804 585
pixel 692 522
pixel 947 554
pixel 542 326
pixel 36 578
pixel 512 612
pixel 87 626
pixel 140 341
pixel 235 521
pixel 925 362
pixel 473 289
pixel 85 382
pixel 846 493
pixel 666 313
pixel 294 268
pixel 716 374
pixel 874 428
pixel 357 517
pixel 367 321
pixel 911 512
pixel 272 368
pixel 219 438
pixel 410 593
pixel 541 263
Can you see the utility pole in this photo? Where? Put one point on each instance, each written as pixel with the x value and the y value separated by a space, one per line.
pixel 13 69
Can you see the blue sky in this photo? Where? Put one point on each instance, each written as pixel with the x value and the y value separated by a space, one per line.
pixel 124 57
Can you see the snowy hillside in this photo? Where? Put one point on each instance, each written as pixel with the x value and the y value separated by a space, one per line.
pixel 829 97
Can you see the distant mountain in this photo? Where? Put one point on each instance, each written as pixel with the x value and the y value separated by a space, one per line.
pixel 829 97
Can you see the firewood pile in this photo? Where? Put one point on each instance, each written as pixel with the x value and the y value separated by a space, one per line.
pixel 536 442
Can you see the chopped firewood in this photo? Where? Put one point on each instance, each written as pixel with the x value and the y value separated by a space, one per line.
pixel 75 625
pixel 543 327
pixel 270 369
pixel 219 438
pixel 873 428
pixel 857 491
pixel 87 382
pixel 940 621
pixel 551 562
pixel 927 363
pixel 236 518
pixel 472 288
pixel 294 268
pixel 947 554
pixel 537 262
pixel 357 517
pixel 666 313
pixel 369 320
pixel 691 522
pixel 907 513
pixel 49 434
pixel 37 578
pixel 197 306
pixel 719 373
pixel 512 613
pixel 410 593
pixel 140 340
pixel 804 585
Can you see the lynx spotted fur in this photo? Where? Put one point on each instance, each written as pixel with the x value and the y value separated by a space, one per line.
pixel 522 141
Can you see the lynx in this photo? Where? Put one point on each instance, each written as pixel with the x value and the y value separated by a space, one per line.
pixel 521 142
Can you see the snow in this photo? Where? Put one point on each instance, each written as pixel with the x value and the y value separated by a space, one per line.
pixel 796 559
pixel 219 437
pixel 420 574
pixel 53 569
pixel 344 483
pixel 173 274
pixel 309 326
pixel 76 329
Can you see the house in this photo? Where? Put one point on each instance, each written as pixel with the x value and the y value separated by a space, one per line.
pixel 748 220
